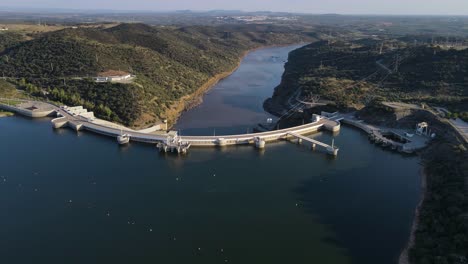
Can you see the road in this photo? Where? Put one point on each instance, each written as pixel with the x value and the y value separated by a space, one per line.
pixel 85 123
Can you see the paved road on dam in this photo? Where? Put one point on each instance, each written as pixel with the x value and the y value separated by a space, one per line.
pixel 78 122
pixel 83 123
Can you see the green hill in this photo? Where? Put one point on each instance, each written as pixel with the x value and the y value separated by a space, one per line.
pixel 170 63
pixel 10 39
pixel 350 74
pixel 358 74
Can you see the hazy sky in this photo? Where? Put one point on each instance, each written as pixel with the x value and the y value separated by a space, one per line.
pixel 441 7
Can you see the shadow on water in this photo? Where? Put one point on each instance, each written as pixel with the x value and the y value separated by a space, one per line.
pixel 284 204
pixel 369 209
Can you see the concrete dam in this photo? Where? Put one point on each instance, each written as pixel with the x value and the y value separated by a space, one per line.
pixel 78 119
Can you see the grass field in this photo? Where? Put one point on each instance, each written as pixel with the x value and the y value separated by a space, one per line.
pixel 10 102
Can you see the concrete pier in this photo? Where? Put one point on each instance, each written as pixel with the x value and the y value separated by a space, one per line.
pixel 28 108
pixel 59 122
pixel 330 149
pixel 259 143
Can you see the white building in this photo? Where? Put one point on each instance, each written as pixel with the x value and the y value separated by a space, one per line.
pixel 113 76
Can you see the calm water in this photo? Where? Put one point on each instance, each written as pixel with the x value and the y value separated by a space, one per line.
pixel 235 104
pixel 80 198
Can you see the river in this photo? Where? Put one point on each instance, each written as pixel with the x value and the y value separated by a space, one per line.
pixel 68 197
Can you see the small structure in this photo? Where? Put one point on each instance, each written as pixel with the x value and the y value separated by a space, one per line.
pixel 174 144
pixel 316 118
pixel 422 129
pixel 329 115
pixel 113 76
pixel 123 139
pixel 259 143
pixel 221 142
pixel 3 29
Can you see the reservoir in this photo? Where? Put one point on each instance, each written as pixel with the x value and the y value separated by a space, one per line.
pixel 68 197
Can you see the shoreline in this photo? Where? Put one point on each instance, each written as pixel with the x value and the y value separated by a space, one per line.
pixel 404 256
pixel 188 102
pixel 6 114
pixel 195 99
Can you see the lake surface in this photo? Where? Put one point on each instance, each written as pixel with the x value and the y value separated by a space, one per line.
pixel 68 197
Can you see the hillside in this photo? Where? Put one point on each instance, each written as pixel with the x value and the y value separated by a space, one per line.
pixel 358 75
pixel 354 74
pixel 10 39
pixel 170 63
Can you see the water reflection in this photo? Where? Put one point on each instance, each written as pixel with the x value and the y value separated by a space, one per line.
pixel 285 204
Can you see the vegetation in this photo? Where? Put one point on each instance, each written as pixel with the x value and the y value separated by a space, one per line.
pixel 170 63
pixel 442 233
pixel 349 74
pixel 355 73
pixel 10 39
pixel 462 115
pixel 8 90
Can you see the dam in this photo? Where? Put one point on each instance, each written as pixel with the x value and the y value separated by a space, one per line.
pixel 78 119
pixel 229 201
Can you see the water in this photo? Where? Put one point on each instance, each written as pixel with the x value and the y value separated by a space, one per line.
pixel 235 104
pixel 80 198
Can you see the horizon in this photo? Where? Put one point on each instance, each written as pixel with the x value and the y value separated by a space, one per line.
pixel 34 10
pixel 336 7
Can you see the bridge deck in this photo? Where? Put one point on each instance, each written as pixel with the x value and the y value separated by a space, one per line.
pixel 199 140
pixel 313 141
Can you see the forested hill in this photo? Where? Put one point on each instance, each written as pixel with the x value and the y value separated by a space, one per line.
pixel 355 73
pixel 169 63
pixel 362 73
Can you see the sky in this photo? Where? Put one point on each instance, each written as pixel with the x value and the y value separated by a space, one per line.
pixel 412 7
